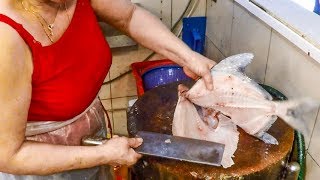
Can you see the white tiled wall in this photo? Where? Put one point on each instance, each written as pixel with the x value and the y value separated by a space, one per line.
pixel 313 169
pixel 314 147
pixel 231 29
pixel 211 51
pixel 177 8
pixel 166 9
pixel 244 39
pixel 219 24
pixel 296 75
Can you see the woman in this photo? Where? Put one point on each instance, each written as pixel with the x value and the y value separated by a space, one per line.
pixel 53 60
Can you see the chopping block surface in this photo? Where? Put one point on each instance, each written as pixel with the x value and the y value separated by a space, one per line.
pixel 253 158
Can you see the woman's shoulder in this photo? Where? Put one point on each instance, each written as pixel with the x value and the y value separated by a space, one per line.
pixel 8 32
pixel 10 37
pixel 14 50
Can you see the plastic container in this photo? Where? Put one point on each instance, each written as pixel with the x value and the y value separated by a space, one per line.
pixel 163 75
pixel 151 74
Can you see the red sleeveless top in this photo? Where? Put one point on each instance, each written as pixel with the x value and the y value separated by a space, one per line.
pixel 68 74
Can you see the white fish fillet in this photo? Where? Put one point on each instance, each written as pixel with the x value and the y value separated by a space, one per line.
pixel 188 123
pixel 236 96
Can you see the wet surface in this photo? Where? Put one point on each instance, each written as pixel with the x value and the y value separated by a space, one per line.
pixel 253 158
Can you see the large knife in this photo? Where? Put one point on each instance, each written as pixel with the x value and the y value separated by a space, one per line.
pixel 177 148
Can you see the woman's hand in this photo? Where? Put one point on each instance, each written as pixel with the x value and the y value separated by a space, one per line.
pixel 121 149
pixel 199 66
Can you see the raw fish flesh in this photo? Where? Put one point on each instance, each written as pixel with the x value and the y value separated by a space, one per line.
pixel 189 123
pixel 235 100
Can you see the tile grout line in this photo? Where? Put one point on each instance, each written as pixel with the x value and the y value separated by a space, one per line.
pixel 206 10
pixel 215 46
pixel 133 96
pixel 171 15
pixel 265 72
pixel 314 125
pixel 232 23
pixel 313 160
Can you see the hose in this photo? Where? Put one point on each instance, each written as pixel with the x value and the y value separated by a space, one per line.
pixel 301 154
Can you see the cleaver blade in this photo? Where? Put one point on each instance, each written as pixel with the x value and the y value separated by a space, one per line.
pixel 180 148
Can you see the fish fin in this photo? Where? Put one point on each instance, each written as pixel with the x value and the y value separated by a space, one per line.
pixel 236 63
pixel 271 120
pixel 269 139
pixel 292 113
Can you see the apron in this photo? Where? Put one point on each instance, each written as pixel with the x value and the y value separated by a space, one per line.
pixel 91 122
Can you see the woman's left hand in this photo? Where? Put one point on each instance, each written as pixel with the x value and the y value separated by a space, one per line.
pixel 199 66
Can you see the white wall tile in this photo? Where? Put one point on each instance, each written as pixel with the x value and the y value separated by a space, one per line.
pixel 120 122
pixel 124 57
pixel 122 103
pixel 105 92
pixel 291 70
pixel 251 35
pixel 107 77
pixel 201 8
pixel 125 86
pixel 107 104
pixel 313 169
pixel 293 73
pixel 178 6
pixel 166 12
pixel 212 52
pixel 219 24
pixel 314 147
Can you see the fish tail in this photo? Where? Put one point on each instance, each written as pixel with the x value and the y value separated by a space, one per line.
pixel 294 111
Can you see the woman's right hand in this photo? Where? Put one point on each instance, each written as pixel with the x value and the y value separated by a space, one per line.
pixel 120 150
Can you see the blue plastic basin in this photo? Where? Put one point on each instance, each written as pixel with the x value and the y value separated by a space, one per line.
pixel 163 75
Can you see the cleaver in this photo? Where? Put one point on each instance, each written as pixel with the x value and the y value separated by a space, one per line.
pixel 175 147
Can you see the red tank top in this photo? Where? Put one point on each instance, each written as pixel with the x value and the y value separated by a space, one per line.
pixel 68 74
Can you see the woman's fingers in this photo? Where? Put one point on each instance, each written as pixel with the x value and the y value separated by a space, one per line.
pixel 208 81
pixel 200 66
pixel 132 157
pixel 189 73
pixel 135 142
pixel 206 77
pixel 135 154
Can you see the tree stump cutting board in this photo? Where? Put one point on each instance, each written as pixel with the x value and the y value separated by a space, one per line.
pixel 253 159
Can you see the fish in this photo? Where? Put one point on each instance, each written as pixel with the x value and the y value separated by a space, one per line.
pixel 235 101
pixel 189 122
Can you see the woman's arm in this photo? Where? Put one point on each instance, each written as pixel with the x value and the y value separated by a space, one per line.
pixel 18 156
pixel 149 31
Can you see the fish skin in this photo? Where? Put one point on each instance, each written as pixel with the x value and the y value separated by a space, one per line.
pixel 237 96
pixel 226 133
pixel 187 116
